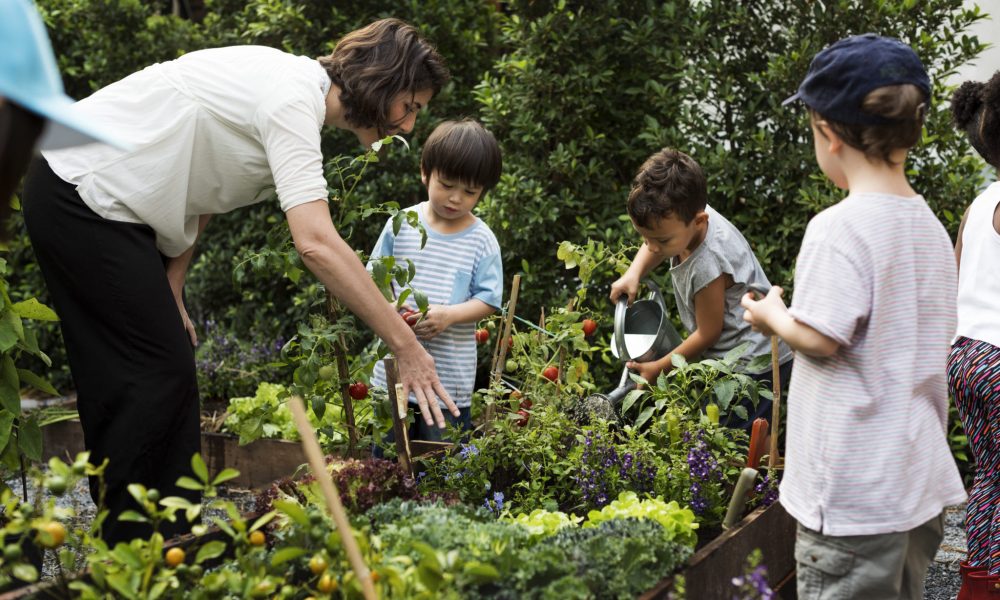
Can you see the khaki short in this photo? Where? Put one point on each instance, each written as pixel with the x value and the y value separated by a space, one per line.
pixel 887 566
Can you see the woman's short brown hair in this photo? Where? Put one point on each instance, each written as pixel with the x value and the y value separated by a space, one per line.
pixel 903 106
pixel 669 183
pixel 376 63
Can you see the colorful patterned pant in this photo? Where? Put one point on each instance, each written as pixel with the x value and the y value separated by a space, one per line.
pixel 974 382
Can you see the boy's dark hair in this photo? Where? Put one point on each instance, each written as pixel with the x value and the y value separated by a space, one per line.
pixel 463 150
pixel 905 108
pixel 975 109
pixel 668 183
pixel 376 63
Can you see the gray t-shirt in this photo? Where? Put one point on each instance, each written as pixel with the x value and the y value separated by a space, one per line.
pixel 724 250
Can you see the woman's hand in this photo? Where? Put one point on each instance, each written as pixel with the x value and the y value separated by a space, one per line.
pixel 435 320
pixel 418 375
pixel 188 325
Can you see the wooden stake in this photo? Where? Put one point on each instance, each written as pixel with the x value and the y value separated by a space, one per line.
pixel 501 353
pixel 311 446
pixel 400 409
pixel 772 460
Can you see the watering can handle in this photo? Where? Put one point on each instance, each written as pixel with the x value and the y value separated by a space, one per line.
pixel 620 308
pixel 655 294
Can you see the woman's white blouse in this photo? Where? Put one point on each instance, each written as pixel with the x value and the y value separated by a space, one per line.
pixel 211 131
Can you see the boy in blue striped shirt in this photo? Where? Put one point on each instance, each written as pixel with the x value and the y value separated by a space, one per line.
pixel 459 268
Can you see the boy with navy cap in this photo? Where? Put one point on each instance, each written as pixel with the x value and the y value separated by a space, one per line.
pixel 868 470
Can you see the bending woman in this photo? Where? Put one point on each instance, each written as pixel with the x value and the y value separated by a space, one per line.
pixel 114 231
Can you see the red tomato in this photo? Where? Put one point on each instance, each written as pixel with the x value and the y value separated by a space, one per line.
pixel 589 327
pixel 551 373
pixel 358 390
pixel 525 415
pixel 482 335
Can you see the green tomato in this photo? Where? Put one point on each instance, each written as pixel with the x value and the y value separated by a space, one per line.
pixel 511 365
pixel 327 372
pixel 56 484
pixel 12 552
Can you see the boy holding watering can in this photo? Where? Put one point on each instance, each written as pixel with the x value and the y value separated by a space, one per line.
pixel 868 470
pixel 711 266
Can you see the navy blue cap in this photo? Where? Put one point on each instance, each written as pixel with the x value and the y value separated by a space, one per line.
pixel 842 74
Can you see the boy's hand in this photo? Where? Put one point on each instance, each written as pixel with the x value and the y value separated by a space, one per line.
pixel 628 285
pixel 762 314
pixel 436 319
pixel 647 370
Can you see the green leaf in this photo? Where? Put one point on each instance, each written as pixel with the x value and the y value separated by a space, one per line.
pixel 199 468
pixel 630 399
pixel 6 426
pixel 740 411
pixel 644 416
pixel 758 363
pixel 25 572
pixel 33 309
pixel 213 549
pixel 724 390
pixel 132 516
pixel 481 572
pixel 736 353
pixel 127 555
pixel 286 554
pixel 189 484
pixel 678 360
pixel 11 330
pixel 37 382
pixel 294 511
pixel 30 439
pixel 225 475
pixel 10 386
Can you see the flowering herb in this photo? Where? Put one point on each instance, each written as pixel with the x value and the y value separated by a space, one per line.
pixel 703 469
pixel 753 584
pixel 605 472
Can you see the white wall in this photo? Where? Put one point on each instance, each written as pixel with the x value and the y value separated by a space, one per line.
pixel 988 31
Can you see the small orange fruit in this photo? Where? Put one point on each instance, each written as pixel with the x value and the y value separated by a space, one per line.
pixel 257 538
pixel 317 564
pixel 175 556
pixel 326 584
pixel 52 534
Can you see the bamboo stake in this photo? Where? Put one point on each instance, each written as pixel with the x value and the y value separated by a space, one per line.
pixel 503 346
pixel 400 408
pixel 311 446
pixel 772 460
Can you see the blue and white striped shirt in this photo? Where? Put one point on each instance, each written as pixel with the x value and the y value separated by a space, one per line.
pixel 450 269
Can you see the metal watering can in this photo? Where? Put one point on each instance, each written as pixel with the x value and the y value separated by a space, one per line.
pixel 643 332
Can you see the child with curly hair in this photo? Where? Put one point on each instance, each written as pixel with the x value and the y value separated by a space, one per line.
pixel 974 364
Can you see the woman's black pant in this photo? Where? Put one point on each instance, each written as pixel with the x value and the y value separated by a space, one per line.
pixel 131 359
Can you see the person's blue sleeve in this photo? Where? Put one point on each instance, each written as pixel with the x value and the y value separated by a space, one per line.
pixel 487 281
pixel 385 244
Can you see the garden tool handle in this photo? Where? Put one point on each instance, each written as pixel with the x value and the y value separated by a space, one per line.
pixel 736 503
pixel 619 334
pixel 772 459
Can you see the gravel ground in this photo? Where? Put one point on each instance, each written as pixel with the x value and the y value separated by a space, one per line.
pixel 942 578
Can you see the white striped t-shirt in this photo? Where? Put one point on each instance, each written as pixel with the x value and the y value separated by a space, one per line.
pixel 450 269
pixel 867 451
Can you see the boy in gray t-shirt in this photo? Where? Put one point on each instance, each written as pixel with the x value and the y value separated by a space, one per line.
pixel 711 267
